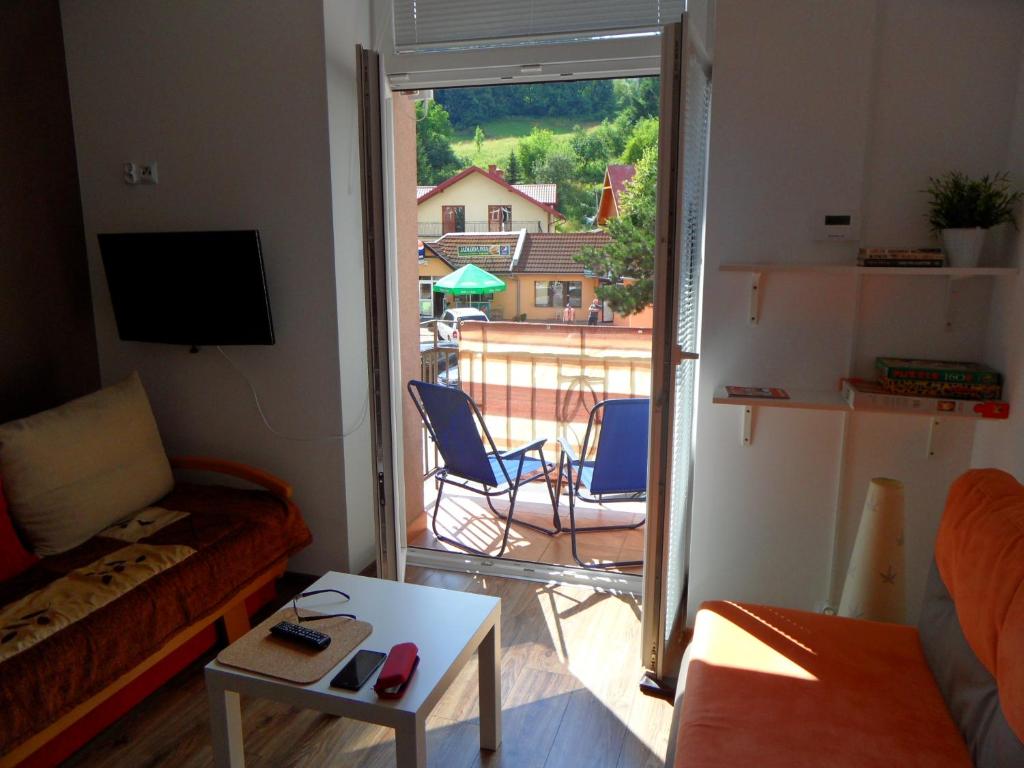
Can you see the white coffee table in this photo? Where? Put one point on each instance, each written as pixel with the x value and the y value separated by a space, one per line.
pixel 447 627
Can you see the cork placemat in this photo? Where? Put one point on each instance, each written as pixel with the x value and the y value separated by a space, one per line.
pixel 259 651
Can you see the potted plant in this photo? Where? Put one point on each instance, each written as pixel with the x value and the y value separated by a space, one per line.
pixel 961 210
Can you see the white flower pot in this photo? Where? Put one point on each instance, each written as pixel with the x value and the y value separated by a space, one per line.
pixel 963 246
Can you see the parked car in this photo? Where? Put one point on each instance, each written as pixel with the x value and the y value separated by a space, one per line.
pixel 440 364
pixel 448 324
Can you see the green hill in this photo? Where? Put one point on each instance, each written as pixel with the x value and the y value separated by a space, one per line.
pixel 502 135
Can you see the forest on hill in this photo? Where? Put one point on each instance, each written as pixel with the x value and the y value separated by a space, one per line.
pixel 561 133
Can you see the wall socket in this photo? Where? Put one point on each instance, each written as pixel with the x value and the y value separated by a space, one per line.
pixel 139 173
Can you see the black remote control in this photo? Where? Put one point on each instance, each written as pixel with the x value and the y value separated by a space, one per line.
pixel 296 634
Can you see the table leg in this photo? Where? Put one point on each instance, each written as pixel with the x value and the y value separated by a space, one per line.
pixel 489 658
pixel 411 743
pixel 226 727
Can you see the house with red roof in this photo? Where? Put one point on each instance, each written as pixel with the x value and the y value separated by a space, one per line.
pixel 615 179
pixel 538 267
pixel 475 200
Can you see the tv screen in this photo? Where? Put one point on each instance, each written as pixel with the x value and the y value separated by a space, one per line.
pixel 194 288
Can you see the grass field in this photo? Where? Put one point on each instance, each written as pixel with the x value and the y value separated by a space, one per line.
pixel 501 137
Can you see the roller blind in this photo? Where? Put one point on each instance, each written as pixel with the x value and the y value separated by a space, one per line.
pixel 424 25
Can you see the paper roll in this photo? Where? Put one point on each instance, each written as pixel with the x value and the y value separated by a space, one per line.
pixel 875 580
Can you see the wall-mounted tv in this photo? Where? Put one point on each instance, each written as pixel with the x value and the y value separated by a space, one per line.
pixel 193 288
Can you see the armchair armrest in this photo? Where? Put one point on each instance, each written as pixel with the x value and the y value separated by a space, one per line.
pixel 260 477
pixel 514 453
pixel 568 450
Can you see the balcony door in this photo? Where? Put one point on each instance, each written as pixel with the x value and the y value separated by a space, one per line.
pixel 682 157
pixel 685 108
pixel 384 384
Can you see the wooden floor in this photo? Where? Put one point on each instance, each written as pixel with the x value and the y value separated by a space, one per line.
pixel 464 516
pixel 570 668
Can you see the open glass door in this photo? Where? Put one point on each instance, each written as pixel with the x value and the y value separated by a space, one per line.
pixel 383 420
pixel 683 138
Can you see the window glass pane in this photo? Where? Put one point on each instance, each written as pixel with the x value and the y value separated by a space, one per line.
pixel 557 293
pixel 460 218
pixel 575 293
pixel 540 294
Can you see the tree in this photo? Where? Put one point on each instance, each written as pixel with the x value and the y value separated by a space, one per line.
pixel 478 139
pixel 575 199
pixel 638 97
pixel 512 172
pixel 435 158
pixel 533 149
pixel 643 137
pixel 628 258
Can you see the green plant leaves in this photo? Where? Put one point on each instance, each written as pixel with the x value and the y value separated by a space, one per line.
pixel 958 201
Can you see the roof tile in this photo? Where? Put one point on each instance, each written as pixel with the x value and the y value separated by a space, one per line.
pixel 553 251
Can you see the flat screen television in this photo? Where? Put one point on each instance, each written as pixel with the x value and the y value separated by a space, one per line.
pixel 193 288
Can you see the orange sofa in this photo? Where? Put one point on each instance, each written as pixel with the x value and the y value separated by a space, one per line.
pixel 773 687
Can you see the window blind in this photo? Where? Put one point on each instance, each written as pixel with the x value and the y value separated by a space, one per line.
pixel 425 25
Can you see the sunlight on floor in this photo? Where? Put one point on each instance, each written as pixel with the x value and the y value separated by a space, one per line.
pixel 465 517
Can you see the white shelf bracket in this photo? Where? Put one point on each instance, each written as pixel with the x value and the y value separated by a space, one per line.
pixel 934 431
pixel 755 298
pixel 746 425
pixel 952 292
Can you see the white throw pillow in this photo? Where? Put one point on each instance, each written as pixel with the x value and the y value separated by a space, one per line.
pixel 74 470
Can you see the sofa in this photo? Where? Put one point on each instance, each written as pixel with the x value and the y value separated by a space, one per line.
pixel 769 686
pixel 115 574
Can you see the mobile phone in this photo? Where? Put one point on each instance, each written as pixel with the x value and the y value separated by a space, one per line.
pixel 358 670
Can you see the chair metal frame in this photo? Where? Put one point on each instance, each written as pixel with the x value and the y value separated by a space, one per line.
pixel 566 461
pixel 508 487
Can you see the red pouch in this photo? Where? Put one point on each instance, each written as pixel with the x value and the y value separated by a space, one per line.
pixel 398 668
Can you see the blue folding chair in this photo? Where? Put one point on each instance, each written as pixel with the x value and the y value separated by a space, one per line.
pixel 618 471
pixel 451 419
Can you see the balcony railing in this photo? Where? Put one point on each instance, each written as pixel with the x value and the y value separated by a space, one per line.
pixel 533 380
pixel 435 228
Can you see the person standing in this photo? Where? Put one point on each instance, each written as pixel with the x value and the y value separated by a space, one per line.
pixel 569 313
pixel 595 310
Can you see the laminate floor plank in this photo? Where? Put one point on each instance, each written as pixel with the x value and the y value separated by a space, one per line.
pixel 570 669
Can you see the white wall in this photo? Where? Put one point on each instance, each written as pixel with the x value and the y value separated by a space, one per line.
pixel 1002 445
pixel 229 97
pixel 837 106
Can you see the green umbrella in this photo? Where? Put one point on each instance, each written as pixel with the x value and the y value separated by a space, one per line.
pixel 469 279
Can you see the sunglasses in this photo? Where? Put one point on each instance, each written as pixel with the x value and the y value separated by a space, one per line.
pixel 317 617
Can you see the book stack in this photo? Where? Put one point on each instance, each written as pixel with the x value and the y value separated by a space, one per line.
pixel 900 257
pixel 938 378
pixel 870 396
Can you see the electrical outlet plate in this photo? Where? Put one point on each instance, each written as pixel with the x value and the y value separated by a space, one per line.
pixel 148 173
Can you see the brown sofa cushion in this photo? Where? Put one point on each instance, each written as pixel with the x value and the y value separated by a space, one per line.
pixel 237 534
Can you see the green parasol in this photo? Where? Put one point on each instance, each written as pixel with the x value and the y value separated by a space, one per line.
pixel 469 279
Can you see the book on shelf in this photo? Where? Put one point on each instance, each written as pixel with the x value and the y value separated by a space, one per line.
pixel 893 263
pixel 928 388
pixel 766 393
pixel 953 371
pixel 900 257
pixel 869 395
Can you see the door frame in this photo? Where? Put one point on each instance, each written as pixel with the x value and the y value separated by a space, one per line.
pixel 665 356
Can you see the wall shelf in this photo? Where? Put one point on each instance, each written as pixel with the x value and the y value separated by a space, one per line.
pixel 821 400
pixel 849 269
pixel 953 276
pixel 816 400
